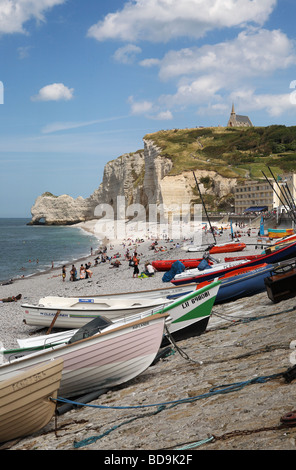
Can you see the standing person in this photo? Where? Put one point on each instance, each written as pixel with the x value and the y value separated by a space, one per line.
pixel 136 265
pixel 73 273
pixel 88 272
pixel 82 272
pixel 64 273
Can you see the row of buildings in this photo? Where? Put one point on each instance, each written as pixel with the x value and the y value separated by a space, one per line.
pixel 257 196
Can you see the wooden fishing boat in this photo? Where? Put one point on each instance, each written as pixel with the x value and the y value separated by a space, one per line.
pixel 74 312
pixel 103 360
pixel 63 312
pixel 281 284
pixel 25 399
pixel 270 257
pixel 189 316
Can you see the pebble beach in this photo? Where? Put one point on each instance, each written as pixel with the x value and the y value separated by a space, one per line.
pixel 234 349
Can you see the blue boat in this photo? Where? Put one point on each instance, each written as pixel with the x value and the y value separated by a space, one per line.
pixel 243 285
pixel 273 255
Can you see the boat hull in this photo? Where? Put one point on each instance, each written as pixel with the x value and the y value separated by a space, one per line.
pixel 101 361
pixel 228 248
pixel 165 265
pixel 76 317
pixel 191 314
pixel 223 248
pixel 243 285
pixel 25 400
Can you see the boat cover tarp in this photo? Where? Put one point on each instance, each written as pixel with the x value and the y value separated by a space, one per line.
pixel 177 268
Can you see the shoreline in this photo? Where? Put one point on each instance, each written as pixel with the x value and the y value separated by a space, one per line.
pixel 105 279
pixel 58 263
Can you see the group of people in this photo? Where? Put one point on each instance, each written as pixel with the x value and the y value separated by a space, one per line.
pixel 102 257
pixel 84 272
pixel 149 269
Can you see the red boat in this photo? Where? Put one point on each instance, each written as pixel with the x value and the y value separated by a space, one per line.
pixel 166 264
pixel 242 258
pixel 227 248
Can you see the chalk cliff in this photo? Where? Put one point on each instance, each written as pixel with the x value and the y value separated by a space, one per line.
pixel 143 177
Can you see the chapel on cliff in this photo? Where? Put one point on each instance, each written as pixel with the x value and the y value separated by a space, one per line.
pixel 237 120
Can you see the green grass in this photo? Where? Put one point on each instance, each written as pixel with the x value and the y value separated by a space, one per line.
pixel 231 152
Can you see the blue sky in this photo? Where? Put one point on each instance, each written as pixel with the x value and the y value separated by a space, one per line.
pixel 85 80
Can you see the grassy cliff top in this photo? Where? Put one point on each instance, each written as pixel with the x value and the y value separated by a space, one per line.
pixel 232 152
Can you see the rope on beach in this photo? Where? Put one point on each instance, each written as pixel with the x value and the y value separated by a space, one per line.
pixel 248 319
pixel 182 353
pixel 219 389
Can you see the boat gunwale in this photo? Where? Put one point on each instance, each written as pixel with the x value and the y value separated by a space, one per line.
pixel 157 316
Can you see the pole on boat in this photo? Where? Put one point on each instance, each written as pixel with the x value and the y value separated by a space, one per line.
pixel 204 207
pixel 275 192
pixel 283 194
pixel 282 190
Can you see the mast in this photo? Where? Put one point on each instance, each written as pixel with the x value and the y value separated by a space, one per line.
pixel 292 215
pixel 204 207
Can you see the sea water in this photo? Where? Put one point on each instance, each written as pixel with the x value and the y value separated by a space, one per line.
pixel 30 249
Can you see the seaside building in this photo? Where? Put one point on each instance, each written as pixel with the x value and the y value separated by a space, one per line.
pixel 237 120
pixel 256 196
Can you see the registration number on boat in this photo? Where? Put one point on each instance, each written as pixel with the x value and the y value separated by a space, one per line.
pixel 195 299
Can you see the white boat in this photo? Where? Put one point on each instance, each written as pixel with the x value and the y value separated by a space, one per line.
pixel 106 359
pixel 25 400
pixel 74 312
pixel 189 316
pixel 213 269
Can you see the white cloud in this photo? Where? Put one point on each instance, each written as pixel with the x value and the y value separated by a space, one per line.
pixel 127 54
pixel 149 62
pixel 273 104
pixel 252 53
pixel 54 92
pixel 206 76
pixel 163 116
pixel 15 13
pixel 163 20
pixel 140 107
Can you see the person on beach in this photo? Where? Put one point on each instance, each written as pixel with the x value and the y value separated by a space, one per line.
pixel 82 272
pixel 64 273
pixel 88 272
pixel 73 273
pixel 136 265
pixel 149 269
